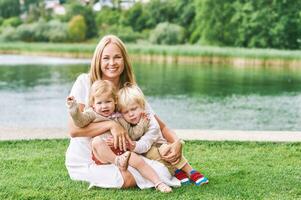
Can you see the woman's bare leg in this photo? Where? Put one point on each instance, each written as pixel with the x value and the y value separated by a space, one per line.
pixel 129 180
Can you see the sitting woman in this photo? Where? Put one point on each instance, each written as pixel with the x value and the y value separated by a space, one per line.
pixel 111 62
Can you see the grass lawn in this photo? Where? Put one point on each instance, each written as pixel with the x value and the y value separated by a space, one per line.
pixel 236 170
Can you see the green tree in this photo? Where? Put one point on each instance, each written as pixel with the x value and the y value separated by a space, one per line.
pixel 107 17
pixel 77 28
pixel 89 17
pixel 9 8
pixel 137 17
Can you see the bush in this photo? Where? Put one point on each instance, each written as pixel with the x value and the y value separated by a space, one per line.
pixel 13 21
pixel 25 32
pixel 77 28
pixel 58 31
pixel 125 33
pixel 8 34
pixel 40 30
pixel 167 33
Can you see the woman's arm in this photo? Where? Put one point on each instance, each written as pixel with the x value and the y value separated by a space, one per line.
pixel 119 134
pixel 176 144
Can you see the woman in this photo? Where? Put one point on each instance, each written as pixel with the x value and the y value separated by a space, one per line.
pixel 110 62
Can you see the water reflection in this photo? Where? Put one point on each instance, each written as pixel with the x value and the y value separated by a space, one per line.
pixel 185 96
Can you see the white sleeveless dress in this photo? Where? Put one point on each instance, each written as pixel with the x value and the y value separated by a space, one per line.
pixel 81 167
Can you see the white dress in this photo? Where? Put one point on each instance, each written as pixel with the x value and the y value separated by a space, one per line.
pixel 79 162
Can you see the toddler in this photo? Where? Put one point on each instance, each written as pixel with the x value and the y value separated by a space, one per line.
pixel 102 103
pixel 131 104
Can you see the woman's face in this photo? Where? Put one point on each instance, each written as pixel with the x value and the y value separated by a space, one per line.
pixel 112 63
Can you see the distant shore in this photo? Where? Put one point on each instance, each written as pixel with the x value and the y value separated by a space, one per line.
pixel 179 54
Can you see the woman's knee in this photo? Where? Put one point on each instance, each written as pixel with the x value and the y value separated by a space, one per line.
pixel 129 180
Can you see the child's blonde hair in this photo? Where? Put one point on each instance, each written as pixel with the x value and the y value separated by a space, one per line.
pixel 102 87
pixel 129 94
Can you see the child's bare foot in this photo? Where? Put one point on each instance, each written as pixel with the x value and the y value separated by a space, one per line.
pixel 162 187
pixel 122 161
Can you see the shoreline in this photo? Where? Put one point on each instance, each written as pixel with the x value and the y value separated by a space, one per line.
pixel 12 134
pixel 169 59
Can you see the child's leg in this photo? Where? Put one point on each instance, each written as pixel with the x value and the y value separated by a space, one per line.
pixel 104 154
pixel 185 172
pixel 102 151
pixel 194 175
pixel 148 172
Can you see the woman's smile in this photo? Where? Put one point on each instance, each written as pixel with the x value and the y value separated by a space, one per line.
pixel 112 63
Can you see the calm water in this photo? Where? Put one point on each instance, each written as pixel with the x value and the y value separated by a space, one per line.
pixel 184 96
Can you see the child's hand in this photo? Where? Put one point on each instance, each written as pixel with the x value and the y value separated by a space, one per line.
pixel 145 116
pixel 70 101
pixel 131 145
pixel 145 119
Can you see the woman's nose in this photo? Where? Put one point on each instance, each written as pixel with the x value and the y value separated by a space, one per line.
pixel 112 61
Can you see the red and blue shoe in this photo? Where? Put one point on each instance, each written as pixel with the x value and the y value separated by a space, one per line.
pixel 198 178
pixel 182 176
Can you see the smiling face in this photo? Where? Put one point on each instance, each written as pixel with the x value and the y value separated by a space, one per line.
pixel 132 113
pixel 104 105
pixel 112 63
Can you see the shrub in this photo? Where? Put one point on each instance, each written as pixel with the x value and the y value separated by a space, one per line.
pixel 25 32
pixel 167 33
pixel 77 28
pixel 13 21
pixel 8 34
pixel 40 30
pixel 58 31
pixel 125 33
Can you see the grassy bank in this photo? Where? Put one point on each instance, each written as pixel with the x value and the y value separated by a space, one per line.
pixel 35 170
pixel 161 53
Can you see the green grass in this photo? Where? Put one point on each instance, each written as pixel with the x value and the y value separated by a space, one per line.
pixel 237 170
pixel 87 49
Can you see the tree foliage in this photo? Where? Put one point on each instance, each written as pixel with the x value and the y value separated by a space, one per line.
pixel 77 28
pixel 9 8
pixel 257 23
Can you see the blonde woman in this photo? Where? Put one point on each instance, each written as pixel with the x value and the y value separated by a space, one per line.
pixel 110 62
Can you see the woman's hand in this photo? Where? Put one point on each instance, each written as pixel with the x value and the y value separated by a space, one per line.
pixel 130 145
pixel 120 136
pixel 175 153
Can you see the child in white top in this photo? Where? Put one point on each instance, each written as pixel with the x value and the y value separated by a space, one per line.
pixel 131 104
pixel 102 102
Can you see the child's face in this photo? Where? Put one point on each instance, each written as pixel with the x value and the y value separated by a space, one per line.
pixel 132 113
pixel 104 105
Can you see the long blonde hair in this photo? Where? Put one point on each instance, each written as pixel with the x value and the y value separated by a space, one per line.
pixel 95 70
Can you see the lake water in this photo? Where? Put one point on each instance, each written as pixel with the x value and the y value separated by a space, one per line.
pixel 185 96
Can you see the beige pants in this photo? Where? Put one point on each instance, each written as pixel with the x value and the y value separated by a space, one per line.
pixel 154 154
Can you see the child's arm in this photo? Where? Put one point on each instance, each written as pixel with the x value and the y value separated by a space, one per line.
pixel 135 132
pixel 148 139
pixel 80 119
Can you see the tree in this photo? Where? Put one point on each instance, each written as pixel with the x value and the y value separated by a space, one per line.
pixel 77 28
pixel 9 8
pixel 88 15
